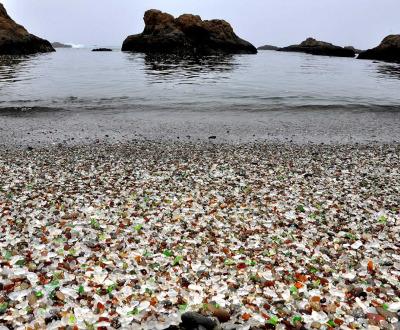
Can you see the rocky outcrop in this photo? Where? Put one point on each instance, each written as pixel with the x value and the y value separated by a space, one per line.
pixel 102 50
pixel 16 40
pixel 268 47
pixel 388 50
pixel 60 45
pixel 315 47
pixel 355 50
pixel 185 35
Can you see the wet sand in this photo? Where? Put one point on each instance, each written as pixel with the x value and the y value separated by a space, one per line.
pixel 44 127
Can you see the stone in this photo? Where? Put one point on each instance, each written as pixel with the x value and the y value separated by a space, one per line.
pixel 298 324
pixel 390 316
pixel 388 50
pixel 324 250
pixel 315 305
pixel 331 308
pixel 187 34
pixel 375 317
pixel 315 47
pixel 16 40
pixel 221 314
pixel 60 295
pixel 191 320
pixel 316 325
pixel 32 300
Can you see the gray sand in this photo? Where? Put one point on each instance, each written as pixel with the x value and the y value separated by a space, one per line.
pixel 40 128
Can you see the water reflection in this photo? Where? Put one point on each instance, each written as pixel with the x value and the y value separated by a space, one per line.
pixel 389 70
pixel 188 69
pixel 11 67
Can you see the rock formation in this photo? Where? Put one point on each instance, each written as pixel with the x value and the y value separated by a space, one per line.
pixel 15 40
pixel 102 50
pixel 268 47
pixel 388 50
pixel 315 47
pixel 185 35
pixel 355 50
pixel 57 44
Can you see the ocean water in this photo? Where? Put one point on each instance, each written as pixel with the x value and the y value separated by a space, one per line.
pixel 80 80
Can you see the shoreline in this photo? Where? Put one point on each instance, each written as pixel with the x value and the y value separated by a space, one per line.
pixel 69 128
pixel 136 234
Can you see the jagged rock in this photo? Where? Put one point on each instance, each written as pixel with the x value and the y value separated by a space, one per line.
pixel 16 40
pixel 315 47
pixel 268 47
pixel 388 50
pixel 57 44
pixel 186 34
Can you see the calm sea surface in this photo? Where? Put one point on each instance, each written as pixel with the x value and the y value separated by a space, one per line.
pixel 81 80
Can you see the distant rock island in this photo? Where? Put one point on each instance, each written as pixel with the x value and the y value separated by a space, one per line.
pixel 57 44
pixel 15 40
pixel 102 50
pixel 187 34
pixel 268 47
pixel 355 50
pixel 315 47
pixel 388 50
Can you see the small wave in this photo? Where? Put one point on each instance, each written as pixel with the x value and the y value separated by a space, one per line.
pixel 75 46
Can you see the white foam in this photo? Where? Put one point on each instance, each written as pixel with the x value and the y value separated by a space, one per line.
pixel 75 46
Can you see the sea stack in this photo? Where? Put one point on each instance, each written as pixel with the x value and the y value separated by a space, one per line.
pixel 388 50
pixel 315 47
pixel 16 40
pixel 57 44
pixel 187 34
pixel 268 47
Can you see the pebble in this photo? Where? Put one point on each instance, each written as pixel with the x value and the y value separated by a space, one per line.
pixel 191 320
pixel 315 305
pixel 32 299
pixel 376 317
pixel 390 316
pixel 316 325
pixel 221 314
pixel 331 308
pixel 60 295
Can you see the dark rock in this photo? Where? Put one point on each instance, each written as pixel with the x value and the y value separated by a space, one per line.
pixel 16 40
pixel 212 137
pixel 50 319
pixel 60 45
pixel 388 50
pixel 191 320
pixel 268 47
pixel 167 303
pixel 187 34
pixel 102 50
pixel 355 50
pixel 315 47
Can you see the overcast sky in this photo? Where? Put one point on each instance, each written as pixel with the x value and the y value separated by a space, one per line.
pixel 361 23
